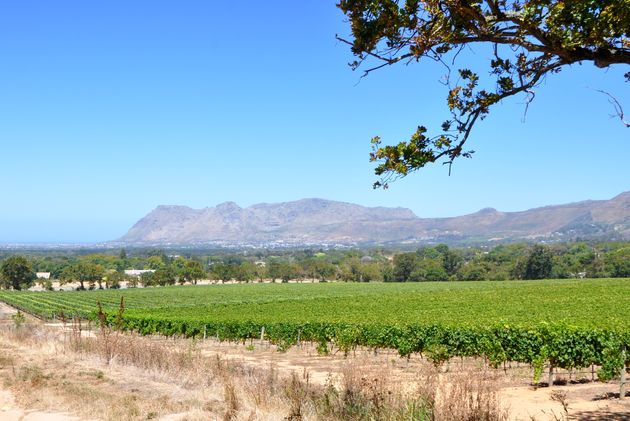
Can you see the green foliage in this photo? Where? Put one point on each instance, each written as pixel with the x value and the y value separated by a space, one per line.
pixel 527 40
pixel 427 264
pixel 82 272
pixel 619 262
pixel 282 270
pixel 572 260
pixel 473 271
pixel 113 279
pixel 318 268
pixel 165 275
pixel 404 265
pixel 428 270
pixel 147 279
pixel 245 272
pixel 192 271
pixel 568 323
pixel 358 270
pixel 18 319
pixel 539 263
pixel 16 272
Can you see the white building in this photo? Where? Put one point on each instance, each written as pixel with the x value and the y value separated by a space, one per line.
pixel 137 272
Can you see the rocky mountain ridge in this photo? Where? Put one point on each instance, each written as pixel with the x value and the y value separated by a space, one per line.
pixel 319 221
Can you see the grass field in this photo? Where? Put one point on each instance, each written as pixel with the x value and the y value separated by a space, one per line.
pixel 569 323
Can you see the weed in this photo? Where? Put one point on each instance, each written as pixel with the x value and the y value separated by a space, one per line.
pixel 296 392
pixel 18 319
pixel 232 404
pixel 561 398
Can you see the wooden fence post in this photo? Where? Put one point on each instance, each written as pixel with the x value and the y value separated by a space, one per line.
pixel 622 380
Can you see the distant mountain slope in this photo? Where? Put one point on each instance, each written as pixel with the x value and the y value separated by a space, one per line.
pixel 310 221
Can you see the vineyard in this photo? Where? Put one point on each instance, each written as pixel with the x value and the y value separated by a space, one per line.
pixel 562 323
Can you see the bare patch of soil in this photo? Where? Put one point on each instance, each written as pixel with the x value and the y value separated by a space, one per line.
pixel 524 401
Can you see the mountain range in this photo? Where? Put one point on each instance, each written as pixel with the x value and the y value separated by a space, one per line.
pixel 326 222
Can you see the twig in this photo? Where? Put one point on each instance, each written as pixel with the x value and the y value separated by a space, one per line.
pixel 617 106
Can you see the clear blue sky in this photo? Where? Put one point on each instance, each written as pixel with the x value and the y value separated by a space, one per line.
pixel 108 109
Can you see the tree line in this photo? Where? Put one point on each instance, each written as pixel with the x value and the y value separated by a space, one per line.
pixel 430 263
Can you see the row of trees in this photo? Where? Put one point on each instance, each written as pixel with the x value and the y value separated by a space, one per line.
pixel 438 263
pixel 512 262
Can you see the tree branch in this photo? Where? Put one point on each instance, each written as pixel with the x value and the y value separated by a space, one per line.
pixel 617 106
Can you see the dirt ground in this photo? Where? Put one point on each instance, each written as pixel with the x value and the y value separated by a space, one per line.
pixel 42 380
pixel 593 401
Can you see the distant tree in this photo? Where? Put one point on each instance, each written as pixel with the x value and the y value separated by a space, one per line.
pixel 113 279
pixel 179 263
pixel 371 272
pixel 274 270
pixel 67 275
pixel 497 272
pixel 618 263
pixel 356 270
pixel 442 249
pixel 350 270
pixel 319 268
pixel 560 268
pixel 261 272
pixel 472 271
pixel 16 272
pixel 388 273
pixel 597 268
pixel 83 272
pixel 506 254
pixel 428 270
pixel 432 252
pixel 90 273
pixel 192 272
pixel 166 275
pixel 223 271
pixel 147 279
pixel 284 271
pixel 245 272
pixel 517 271
pixel 122 262
pixel 155 262
pixel 451 261
pixel 132 281
pixel 404 265
pixel 539 264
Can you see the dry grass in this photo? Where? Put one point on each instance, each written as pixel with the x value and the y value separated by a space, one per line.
pixel 115 376
pixel 470 397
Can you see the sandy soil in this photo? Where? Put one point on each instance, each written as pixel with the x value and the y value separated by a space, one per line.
pixel 9 411
pixel 589 401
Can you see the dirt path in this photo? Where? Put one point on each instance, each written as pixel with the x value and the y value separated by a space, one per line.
pixel 9 411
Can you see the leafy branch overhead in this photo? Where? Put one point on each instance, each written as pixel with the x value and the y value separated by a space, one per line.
pixel 529 39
